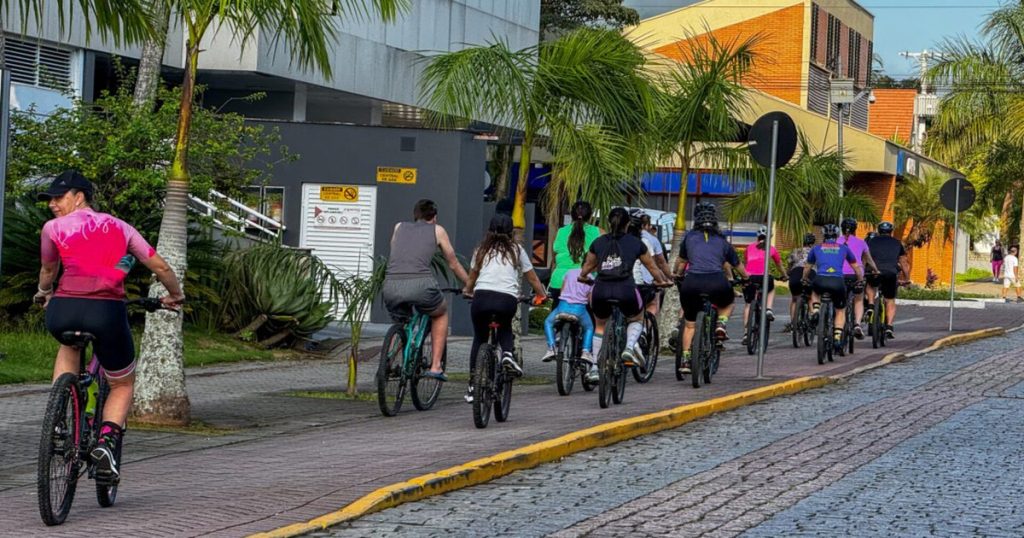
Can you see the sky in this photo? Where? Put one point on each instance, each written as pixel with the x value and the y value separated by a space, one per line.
pixel 900 25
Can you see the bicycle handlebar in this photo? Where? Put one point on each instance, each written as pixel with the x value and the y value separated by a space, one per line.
pixel 149 304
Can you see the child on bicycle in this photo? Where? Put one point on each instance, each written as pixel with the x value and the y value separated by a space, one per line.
pixel 575 296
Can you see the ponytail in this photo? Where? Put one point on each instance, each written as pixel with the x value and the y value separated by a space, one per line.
pixel 581 212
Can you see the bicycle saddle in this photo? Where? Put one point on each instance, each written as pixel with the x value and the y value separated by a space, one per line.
pixel 76 338
pixel 565 316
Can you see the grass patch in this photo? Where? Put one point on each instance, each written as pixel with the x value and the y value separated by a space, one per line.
pixel 940 294
pixel 974 274
pixel 29 355
pixel 196 427
pixel 463 377
pixel 333 395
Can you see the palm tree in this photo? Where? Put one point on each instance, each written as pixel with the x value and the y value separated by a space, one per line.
pixel 982 116
pixel 120 21
pixel 805 193
pixel 306 28
pixel 589 77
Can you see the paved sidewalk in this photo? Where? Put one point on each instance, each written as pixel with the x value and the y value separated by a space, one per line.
pixel 291 459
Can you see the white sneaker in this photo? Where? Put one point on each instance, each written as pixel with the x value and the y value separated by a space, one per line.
pixel 550 355
pixel 587 356
pixel 593 375
pixel 510 363
pixel 634 357
pixel 469 394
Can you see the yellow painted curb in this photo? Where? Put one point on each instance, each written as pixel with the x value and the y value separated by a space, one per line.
pixel 487 469
pixel 492 467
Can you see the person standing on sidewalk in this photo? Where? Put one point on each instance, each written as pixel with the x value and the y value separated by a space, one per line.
pixel 996 257
pixel 409 281
pixel 1010 265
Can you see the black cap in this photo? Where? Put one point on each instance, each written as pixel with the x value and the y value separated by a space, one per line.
pixel 66 181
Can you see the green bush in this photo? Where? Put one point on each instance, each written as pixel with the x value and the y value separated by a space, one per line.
pixel 537 316
pixel 974 274
pixel 937 294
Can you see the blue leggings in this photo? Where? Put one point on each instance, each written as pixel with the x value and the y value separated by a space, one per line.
pixel 578 310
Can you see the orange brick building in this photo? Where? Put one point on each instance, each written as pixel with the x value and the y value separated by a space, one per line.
pixel 891 116
pixel 802 45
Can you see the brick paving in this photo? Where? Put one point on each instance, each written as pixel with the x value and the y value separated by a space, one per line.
pixel 926 447
pixel 288 459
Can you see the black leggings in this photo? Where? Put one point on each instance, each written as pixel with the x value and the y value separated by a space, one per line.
pixel 491 306
pixel 106 319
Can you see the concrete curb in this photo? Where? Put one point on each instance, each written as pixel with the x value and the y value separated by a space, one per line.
pixel 489 468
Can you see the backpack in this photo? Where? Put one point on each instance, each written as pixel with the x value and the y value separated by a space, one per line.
pixel 611 267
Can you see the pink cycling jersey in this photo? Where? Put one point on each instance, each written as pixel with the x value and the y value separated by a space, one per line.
pixel 89 245
pixel 755 259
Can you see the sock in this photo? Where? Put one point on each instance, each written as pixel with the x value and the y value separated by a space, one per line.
pixel 112 430
pixel 633 331
pixel 686 354
pixel 723 319
pixel 598 340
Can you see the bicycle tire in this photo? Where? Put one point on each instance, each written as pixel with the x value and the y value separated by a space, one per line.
pixel 425 390
pixel 619 388
pixel 483 389
pixel 796 324
pixel 809 331
pixel 679 351
pixel 697 351
pixel 618 345
pixel 883 322
pixel 652 342
pixel 106 494
pixel 753 324
pixel 391 379
pixel 604 389
pixel 850 315
pixel 565 372
pixel 824 340
pixel 503 398
pixel 712 367
pixel 56 493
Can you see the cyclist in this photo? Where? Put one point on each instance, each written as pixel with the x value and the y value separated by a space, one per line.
pixel 860 251
pixel 757 267
pixel 612 255
pixel 409 281
pixel 827 259
pixel 704 252
pixel 574 301
pixel 570 247
pixel 90 296
pixel 640 273
pixel 652 230
pixel 493 283
pixel 796 261
pixel 891 259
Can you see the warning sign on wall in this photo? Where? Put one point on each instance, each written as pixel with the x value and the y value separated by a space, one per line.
pixel 339 193
pixel 392 174
pixel 338 217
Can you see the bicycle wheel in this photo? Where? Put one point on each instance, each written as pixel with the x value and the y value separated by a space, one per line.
pixel 805 320
pixel 391 380
pixel 883 320
pixel 483 385
pixel 425 390
pixel 59 451
pixel 106 494
pixel 850 312
pixel 565 373
pixel 697 351
pixel 679 351
pixel 824 332
pixel 796 328
pixel 753 324
pixel 503 395
pixel 605 366
pixel 650 349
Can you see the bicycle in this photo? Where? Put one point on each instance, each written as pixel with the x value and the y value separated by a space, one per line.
pixel 649 341
pixel 612 371
pixel 851 322
pixel 754 319
pixel 879 320
pixel 492 384
pixel 568 362
pixel 705 349
pixel 71 430
pixel 405 358
pixel 826 329
pixel 802 329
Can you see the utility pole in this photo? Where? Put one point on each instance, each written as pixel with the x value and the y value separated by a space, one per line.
pixel 925 104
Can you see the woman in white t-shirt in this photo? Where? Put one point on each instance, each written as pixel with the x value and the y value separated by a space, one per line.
pixel 498 262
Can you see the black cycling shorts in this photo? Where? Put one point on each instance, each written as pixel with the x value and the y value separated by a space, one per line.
pixel 851 283
pixel 887 283
pixel 750 290
pixel 648 294
pixel 834 286
pixel 714 285
pixel 106 319
pixel 623 291
pixel 796 286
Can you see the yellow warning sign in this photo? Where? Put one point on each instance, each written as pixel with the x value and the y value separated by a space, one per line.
pixel 339 193
pixel 392 174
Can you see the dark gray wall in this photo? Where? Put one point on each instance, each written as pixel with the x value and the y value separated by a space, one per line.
pixel 450 171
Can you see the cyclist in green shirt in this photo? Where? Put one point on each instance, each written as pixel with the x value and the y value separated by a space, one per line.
pixel 571 245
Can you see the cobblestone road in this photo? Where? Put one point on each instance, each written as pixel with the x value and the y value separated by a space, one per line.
pixel 931 446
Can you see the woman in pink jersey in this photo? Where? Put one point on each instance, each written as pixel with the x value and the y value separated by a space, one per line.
pixel 756 267
pixel 90 296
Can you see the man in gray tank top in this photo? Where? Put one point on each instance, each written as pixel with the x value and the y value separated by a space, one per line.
pixel 409 282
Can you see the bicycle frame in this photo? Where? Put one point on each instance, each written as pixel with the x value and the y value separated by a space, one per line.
pixel 415 332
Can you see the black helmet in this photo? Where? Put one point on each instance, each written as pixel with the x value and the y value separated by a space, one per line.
pixel 636 217
pixel 871 235
pixel 885 227
pixel 830 231
pixel 809 239
pixel 848 226
pixel 705 216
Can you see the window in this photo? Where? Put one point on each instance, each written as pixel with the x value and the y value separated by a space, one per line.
pixel 38 64
pixel 871 63
pixel 267 200
pixel 832 42
pixel 814 32
pixel 853 64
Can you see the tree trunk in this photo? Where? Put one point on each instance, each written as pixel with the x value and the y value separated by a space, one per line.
pixel 1005 217
pixel 148 78
pixel 160 395
pixel 669 316
pixel 353 360
pixel 519 203
pixel 503 155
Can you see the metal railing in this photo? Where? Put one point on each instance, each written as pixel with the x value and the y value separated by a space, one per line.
pixel 239 217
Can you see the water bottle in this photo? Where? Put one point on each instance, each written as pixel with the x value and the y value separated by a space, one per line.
pixel 126 263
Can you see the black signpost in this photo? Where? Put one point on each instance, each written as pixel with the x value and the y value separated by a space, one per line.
pixel 956 195
pixel 772 143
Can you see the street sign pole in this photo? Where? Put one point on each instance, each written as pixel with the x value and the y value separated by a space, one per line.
pixel 5 122
pixel 956 237
pixel 762 333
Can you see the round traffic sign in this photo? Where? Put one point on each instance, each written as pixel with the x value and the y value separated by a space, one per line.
pixel 948 194
pixel 760 139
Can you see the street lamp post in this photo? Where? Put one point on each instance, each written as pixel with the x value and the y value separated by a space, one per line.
pixel 843 95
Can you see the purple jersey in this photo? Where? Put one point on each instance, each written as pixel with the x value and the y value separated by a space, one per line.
pixel 857 246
